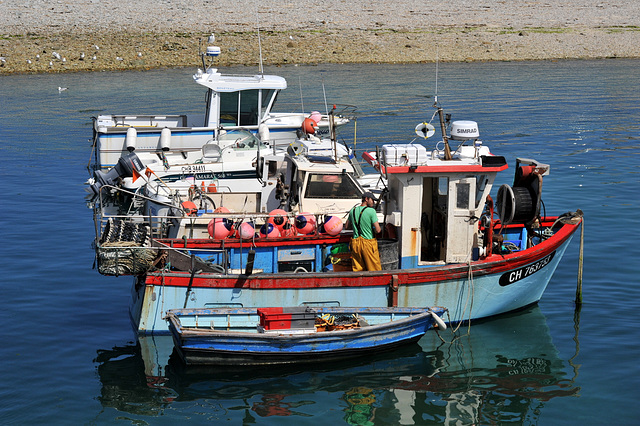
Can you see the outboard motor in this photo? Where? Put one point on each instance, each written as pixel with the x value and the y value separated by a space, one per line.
pixel 520 203
pixel 124 168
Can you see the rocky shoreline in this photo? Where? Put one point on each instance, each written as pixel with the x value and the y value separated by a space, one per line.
pixel 92 35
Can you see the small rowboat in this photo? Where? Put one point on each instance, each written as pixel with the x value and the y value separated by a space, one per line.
pixel 257 336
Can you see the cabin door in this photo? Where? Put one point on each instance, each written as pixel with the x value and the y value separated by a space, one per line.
pixel 461 221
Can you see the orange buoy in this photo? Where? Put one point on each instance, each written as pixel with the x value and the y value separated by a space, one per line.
pixel 309 126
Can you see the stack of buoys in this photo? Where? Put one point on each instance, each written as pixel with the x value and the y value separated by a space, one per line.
pixel 277 225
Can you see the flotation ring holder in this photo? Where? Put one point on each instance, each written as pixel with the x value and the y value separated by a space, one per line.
pixel 425 130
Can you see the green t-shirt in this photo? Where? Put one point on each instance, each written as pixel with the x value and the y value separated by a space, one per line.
pixel 363 224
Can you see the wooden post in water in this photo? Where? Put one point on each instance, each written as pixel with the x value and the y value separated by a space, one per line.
pixel 580 263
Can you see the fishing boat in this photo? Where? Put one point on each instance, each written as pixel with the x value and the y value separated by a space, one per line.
pixel 276 335
pixel 180 146
pixel 444 241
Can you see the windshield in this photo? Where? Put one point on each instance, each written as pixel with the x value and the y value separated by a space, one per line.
pixel 332 186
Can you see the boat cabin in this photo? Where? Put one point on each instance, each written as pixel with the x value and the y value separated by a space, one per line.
pixel 433 204
pixel 320 178
pixel 238 100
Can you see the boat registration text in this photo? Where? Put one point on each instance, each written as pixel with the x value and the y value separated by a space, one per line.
pixel 518 274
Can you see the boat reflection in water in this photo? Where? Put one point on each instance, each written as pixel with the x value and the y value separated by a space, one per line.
pixel 503 371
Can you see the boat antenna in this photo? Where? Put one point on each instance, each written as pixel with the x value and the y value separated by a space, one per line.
pixel 324 94
pixel 260 68
pixel 301 97
pixel 435 96
pixel 443 128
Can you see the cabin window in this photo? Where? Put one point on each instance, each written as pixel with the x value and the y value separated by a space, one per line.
pixel 249 108
pixel 267 94
pixel 462 196
pixel 443 186
pixel 229 108
pixel 243 108
pixel 331 186
pixel 273 168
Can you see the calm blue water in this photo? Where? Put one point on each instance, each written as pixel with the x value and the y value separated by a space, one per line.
pixel 69 355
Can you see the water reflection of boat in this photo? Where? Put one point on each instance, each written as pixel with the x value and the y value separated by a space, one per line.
pixel 505 370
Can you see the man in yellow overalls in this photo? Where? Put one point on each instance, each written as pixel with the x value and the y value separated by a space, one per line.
pixel 364 247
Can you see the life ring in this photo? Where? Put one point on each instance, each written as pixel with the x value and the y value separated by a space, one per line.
pixel 425 130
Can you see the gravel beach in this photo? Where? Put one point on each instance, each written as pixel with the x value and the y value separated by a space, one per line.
pixel 90 35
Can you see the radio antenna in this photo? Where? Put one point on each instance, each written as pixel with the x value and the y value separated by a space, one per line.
pixel 260 68
pixel 435 97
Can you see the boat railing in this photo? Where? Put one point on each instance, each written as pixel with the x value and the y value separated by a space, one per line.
pixel 149 120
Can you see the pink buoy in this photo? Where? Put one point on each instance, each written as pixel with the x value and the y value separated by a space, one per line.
pixel 332 225
pixel 278 218
pixel 222 209
pixel 315 116
pixel 269 231
pixel 220 228
pixel 305 223
pixel 245 231
pixel 288 230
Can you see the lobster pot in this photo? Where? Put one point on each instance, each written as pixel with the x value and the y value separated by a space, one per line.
pixel 389 257
pixel 516 204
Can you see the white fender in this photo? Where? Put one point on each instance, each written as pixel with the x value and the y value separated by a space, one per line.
pixel 165 139
pixel 439 321
pixel 263 133
pixel 130 139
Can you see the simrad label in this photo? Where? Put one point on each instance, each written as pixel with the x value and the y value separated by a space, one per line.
pixel 524 272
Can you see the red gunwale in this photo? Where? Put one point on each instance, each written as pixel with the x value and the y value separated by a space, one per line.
pixel 454 167
pixel 494 264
